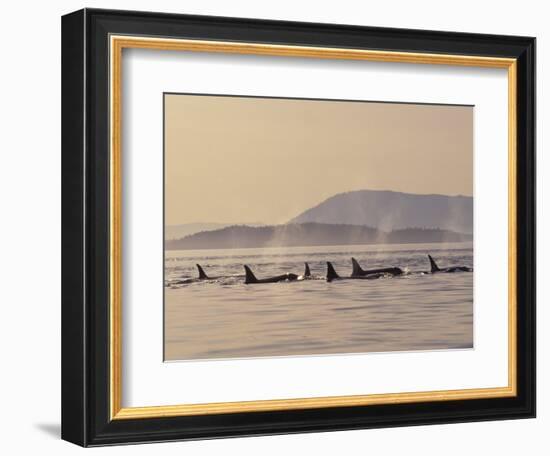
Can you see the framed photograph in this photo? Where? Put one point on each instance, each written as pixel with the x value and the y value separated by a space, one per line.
pixel 278 227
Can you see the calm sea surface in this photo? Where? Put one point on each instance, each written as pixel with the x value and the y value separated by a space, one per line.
pixel 224 318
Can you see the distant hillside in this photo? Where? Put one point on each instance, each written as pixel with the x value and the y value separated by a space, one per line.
pixel 240 236
pixel 389 211
pixel 180 231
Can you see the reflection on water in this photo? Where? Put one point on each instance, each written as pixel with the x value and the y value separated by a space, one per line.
pixel 224 318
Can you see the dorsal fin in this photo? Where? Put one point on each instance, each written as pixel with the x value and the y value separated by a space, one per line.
pixel 307 272
pixel 433 264
pixel 249 277
pixel 202 274
pixel 357 269
pixel 331 273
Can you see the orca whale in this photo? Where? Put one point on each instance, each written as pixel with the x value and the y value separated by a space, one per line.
pixel 359 271
pixel 251 278
pixel 202 276
pixel 333 275
pixel 435 268
pixel 307 273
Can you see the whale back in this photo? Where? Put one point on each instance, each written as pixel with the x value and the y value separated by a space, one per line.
pixel 357 269
pixel 331 273
pixel 433 264
pixel 249 275
pixel 202 274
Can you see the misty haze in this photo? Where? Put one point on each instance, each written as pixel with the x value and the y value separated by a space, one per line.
pixel 360 217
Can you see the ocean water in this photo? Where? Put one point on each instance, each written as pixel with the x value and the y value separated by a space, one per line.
pixel 225 318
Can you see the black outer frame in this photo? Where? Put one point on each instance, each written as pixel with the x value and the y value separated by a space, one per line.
pixel 85 227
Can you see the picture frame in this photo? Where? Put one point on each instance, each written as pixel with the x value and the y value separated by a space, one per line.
pixel 92 366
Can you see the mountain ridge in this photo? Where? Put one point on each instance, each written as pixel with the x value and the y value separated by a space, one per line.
pixel 308 234
pixel 185 229
pixel 389 210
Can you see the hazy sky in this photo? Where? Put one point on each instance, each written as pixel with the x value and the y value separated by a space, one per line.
pixel 234 159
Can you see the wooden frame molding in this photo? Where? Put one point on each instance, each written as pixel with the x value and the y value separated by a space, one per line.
pixel 116 46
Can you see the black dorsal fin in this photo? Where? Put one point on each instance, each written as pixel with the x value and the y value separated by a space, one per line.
pixel 250 277
pixel 357 269
pixel 202 274
pixel 307 272
pixel 433 264
pixel 331 273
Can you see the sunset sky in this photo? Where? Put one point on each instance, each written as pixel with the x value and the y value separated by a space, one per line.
pixel 235 160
